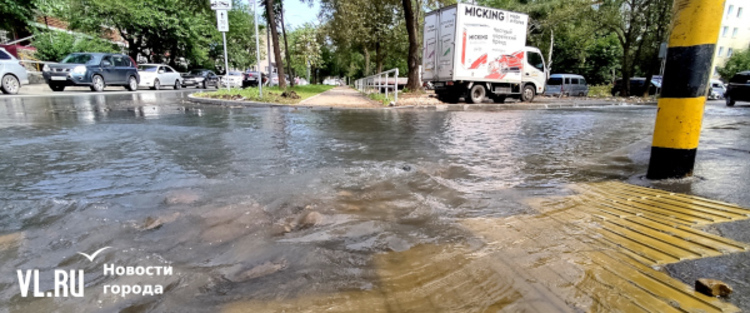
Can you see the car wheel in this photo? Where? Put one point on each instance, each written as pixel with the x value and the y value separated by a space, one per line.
pixel 157 85
pixel 177 85
pixel 477 93
pixel 97 83
pixel 57 87
pixel 528 93
pixel 730 101
pixel 10 84
pixel 132 84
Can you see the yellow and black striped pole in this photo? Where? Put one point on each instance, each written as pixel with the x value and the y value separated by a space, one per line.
pixel 695 30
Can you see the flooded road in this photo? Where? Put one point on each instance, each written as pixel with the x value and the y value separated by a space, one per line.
pixel 275 209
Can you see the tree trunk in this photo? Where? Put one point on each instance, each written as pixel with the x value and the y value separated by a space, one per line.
pixel 275 35
pixel 551 46
pixel 625 85
pixel 413 59
pixel 367 62
pixel 378 57
pixel 286 46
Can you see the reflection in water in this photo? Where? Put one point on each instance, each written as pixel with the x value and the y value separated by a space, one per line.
pixel 227 196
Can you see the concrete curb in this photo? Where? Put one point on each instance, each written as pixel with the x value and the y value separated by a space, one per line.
pixel 437 107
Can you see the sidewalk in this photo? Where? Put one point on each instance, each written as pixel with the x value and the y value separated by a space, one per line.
pixel 341 97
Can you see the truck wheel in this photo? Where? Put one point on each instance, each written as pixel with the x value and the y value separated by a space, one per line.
pixel 528 93
pixel 476 94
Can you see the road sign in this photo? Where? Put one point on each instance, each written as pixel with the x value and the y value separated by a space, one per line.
pixel 222 20
pixel 221 4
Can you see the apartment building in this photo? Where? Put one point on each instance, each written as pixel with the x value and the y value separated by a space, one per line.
pixel 734 34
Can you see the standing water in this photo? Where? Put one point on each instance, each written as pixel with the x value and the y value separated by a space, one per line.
pixel 295 209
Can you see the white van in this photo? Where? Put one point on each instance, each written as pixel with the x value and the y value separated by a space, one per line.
pixel 566 85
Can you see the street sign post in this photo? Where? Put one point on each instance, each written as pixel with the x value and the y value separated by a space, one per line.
pixel 257 50
pixel 222 22
pixel 221 4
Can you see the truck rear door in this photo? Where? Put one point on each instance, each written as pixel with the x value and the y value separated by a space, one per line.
pixel 446 53
pixel 429 53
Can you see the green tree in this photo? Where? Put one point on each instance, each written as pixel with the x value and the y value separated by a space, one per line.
pixel 306 48
pixel 738 62
pixel 162 30
pixel 14 13
pixel 55 45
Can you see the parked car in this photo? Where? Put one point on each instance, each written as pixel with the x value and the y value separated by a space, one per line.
pixel 233 79
pixel 12 74
pixel 738 89
pixel 275 80
pixel 155 76
pixel 566 85
pixel 250 79
pixel 638 86
pixel 200 78
pixel 96 70
pixel 716 91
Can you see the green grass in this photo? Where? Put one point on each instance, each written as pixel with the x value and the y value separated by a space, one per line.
pixel 270 94
pixel 379 97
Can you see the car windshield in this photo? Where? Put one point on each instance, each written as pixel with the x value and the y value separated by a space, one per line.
pixel 196 72
pixel 147 68
pixel 78 59
pixel 554 81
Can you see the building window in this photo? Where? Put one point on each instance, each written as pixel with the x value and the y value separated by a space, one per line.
pixel 731 9
pixel 739 12
pixel 721 51
pixel 734 32
pixel 724 31
pixel 729 52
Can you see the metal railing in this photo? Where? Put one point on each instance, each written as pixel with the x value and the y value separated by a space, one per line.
pixel 33 65
pixel 380 82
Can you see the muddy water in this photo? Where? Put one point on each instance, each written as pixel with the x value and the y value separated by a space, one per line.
pixel 280 209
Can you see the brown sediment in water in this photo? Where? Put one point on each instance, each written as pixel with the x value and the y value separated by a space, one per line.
pixel 599 251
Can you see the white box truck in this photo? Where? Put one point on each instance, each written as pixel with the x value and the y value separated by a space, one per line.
pixel 478 52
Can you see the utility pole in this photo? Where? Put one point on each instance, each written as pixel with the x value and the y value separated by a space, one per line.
pixel 692 42
pixel 257 50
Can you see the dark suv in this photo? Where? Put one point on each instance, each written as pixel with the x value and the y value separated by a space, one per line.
pixel 637 86
pixel 738 89
pixel 96 70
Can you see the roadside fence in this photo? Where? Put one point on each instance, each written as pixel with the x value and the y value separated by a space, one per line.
pixel 381 82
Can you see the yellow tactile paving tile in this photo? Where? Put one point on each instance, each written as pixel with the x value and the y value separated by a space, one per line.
pixel 595 251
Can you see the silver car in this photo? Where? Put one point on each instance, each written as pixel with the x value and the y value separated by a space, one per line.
pixel 156 76
pixel 12 73
pixel 716 91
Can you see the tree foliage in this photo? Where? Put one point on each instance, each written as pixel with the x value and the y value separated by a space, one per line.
pixel 738 62
pixel 55 45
